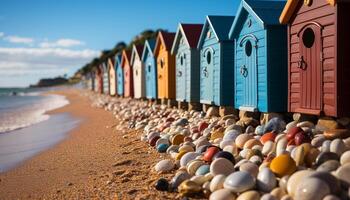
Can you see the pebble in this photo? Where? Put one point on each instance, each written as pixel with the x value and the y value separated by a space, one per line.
pixel 295 179
pixel 325 156
pixel 189 156
pixel 242 139
pixel 328 166
pixel 343 174
pixel 226 155
pixel 249 195
pixel 268 197
pixel 162 184
pixel 221 166
pixel 311 189
pixel 345 158
pixel 164 166
pixel 193 165
pixel 239 182
pixel 222 194
pixel 217 182
pixel 283 165
pixel 179 178
pixel 266 180
pixel 337 146
pixel 210 152
pixel 250 167
pixel 161 148
pixel 189 188
pixel 336 133
pixel 202 170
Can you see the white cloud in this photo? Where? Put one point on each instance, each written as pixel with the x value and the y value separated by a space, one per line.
pixel 17 39
pixel 2 34
pixel 62 43
pixel 24 64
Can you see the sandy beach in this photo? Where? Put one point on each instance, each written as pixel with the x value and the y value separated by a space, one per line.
pixel 94 161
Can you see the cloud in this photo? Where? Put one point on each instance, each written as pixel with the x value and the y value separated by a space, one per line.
pixel 62 43
pixel 24 64
pixel 17 39
pixel 2 34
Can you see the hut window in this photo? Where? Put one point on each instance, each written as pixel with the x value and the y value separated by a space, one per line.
pixel 208 34
pixel 308 38
pixel 149 67
pixel 181 60
pixel 208 57
pixel 248 48
pixel 249 23
pixel 136 72
pixel 161 63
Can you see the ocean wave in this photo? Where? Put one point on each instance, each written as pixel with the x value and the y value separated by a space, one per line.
pixel 32 113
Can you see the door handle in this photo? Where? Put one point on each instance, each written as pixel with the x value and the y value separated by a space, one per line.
pixel 244 71
pixel 179 73
pixel 301 63
pixel 159 76
pixel 205 72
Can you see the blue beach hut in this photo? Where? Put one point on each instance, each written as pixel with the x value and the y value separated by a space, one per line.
pixel 187 62
pixel 119 74
pixel 150 66
pixel 216 61
pixel 260 57
pixel 105 77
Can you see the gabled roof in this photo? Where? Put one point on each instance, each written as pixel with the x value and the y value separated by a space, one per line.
pixel 265 12
pixel 136 49
pixel 220 25
pixel 290 7
pixel 165 38
pixel 191 32
pixel 125 57
pixel 148 47
pixel 118 60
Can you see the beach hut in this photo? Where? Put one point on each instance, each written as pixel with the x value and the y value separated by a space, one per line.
pixel 150 66
pixel 138 71
pixel 112 77
pixel 260 72
pixel 119 74
pixel 216 61
pixel 92 80
pixel 165 65
pixel 99 80
pixel 187 62
pixel 105 78
pixel 318 45
pixel 128 74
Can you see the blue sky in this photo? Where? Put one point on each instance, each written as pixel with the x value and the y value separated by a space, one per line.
pixel 46 38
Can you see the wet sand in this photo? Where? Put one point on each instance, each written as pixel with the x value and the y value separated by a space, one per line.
pixel 94 161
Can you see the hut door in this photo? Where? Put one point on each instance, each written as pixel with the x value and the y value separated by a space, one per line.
pixel 309 65
pixel 207 74
pixel 248 72
pixel 181 77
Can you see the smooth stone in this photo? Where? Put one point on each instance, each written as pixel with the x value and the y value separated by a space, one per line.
pixel 250 143
pixel 153 141
pixel 189 156
pixel 235 127
pixel 317 141
pixel 242 139
pixel 212 111
pixel 239 181
pixel 189 188
pixel 268 137
pixel 337 146
pixel 217 182
pixel 292 132
pixel 186 148
pixel 162 185
pixel 199 179
pixel 180 154
pixel 268 147
pixel 249 129
pixel 193 166
pixel 345 157
pixel 229 122
pixel 268 197
pixel 231 149
pixel 226 155
pixel 172 148
pixel 331 197
pixel 250 167
pixel 181 122
pixel 287 197
pixel 336 133
pixel 259 130
pixel 202 170
pixel 283 165
pixel 217 134
pixel 152 135
pixel 221 166
pixel 325 156
pixel 291 125
pixel 343 174
pixel 266 180
pixel 328 166
pixel 202 149
pixel 328 123
pixel 179 178
pixel 332 181
pixel 249 195
pixel 307 124
pixel 162 141
pixel 301 138
pixel 281 146
pixel 210 152
pixel 296 178
pixel 311 189
pixel 161 148
pixel 202 125
pixel 164 166
pixel 177 139
pixel 326 145
pixel 278 192
pixel 283 182
pixel 275 124
pixel 255 159
pixel 224 143
pixel 222 194
pixel 231 135
pixel 299 155
pixel 311 156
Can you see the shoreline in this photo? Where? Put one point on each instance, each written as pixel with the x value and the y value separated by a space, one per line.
pixel 93 161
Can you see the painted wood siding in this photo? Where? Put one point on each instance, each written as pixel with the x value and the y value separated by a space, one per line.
pixel 120 80
pixel 166 74
pixel 277 69
pixel 210 91
pixel 324 14
pixel 139 78
pixel 112 79
pixel 183 72
pixel 105 79
pixel 151 77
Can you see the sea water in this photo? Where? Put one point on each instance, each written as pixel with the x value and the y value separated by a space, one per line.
pixel 25 128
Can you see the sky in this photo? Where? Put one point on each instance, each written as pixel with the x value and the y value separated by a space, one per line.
pixel 48 38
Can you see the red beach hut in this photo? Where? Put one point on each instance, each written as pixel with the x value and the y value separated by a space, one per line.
pixel 319 67
pixel 128 74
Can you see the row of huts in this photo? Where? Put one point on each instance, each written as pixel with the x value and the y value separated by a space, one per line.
pixel 273 56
